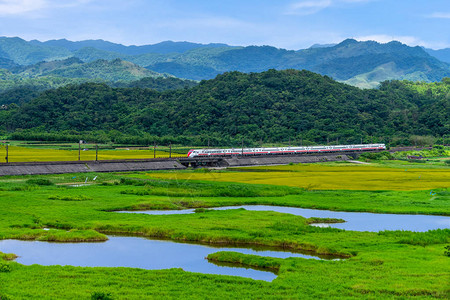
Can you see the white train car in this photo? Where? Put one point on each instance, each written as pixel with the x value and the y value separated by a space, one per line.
pixel 283 150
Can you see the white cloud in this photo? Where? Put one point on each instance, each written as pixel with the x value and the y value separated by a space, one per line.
pixel 440 15
pixel 310 7
pixel 208 22
pixel 385 38
pixel 21 7
pixel 16 7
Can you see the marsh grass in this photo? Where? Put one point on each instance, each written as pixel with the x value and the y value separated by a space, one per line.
pixel 315 220
pixel 246 260
pixel 8 256
pixel 188 188
pixel 73 235
pixel 432 237
pixel 70 198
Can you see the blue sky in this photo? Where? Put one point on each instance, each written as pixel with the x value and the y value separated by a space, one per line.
pixel 290 24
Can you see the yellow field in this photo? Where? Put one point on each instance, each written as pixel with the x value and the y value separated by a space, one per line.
pixel 23 154
pixel 320 177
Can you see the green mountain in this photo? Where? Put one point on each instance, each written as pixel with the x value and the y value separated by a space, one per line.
pixel 115 70
pixel 271 106
pixel 112 71
pixel 364 64
pixel 25 53
pixel 7 64
pixel 161 48
pixel 10 81
pixel 350 61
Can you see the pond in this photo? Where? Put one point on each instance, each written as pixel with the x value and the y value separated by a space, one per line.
pixel 137 252
pixel 356 221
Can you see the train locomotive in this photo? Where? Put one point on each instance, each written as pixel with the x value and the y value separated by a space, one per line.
pixel 194 153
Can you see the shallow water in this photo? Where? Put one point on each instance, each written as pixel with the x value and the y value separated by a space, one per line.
pixel 136 252
pixel 355 221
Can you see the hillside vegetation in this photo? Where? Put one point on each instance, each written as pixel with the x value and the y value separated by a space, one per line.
pixel 42 76
pixel 272 106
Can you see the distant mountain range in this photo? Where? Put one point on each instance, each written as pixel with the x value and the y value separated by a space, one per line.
pixel 363 64
pixel 442 54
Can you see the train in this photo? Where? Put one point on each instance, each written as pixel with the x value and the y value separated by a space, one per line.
pixel 193 153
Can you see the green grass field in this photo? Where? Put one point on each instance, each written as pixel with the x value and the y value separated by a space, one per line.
pixel 390 264
pixel 30 154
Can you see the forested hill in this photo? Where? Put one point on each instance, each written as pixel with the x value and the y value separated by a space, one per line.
pixel 272 106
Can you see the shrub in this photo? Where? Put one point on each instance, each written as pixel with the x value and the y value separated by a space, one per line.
pixel 5 268
pixel 101 296
pixel 447 250
pixel 40 181
pixel 130 181
pixel 384 155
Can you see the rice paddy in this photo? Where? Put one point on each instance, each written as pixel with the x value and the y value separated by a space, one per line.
pixel 29 154
pixel 327 177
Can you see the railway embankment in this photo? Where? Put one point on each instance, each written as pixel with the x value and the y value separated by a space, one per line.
pixel 40 168
pixel 61 167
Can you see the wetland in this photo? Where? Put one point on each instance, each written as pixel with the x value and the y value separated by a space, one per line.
pixel 383 263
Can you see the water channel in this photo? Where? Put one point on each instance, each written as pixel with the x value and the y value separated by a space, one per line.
pixel 356 221
pixel 137 252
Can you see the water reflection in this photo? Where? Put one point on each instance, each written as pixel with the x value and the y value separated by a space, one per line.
pixel 135 252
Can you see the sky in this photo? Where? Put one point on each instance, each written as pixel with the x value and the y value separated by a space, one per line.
pixel 289 24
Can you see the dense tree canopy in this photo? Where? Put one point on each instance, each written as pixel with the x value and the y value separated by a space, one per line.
pixel 273 106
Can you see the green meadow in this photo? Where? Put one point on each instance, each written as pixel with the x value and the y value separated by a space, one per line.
pixel 388 264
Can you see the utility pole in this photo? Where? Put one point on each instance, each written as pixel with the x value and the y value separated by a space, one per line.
pixel 154 149
pixel 96 152
pixel 170 150
pixel 6 153
pixel 242 152
pixel 79 150
pixel 289 142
